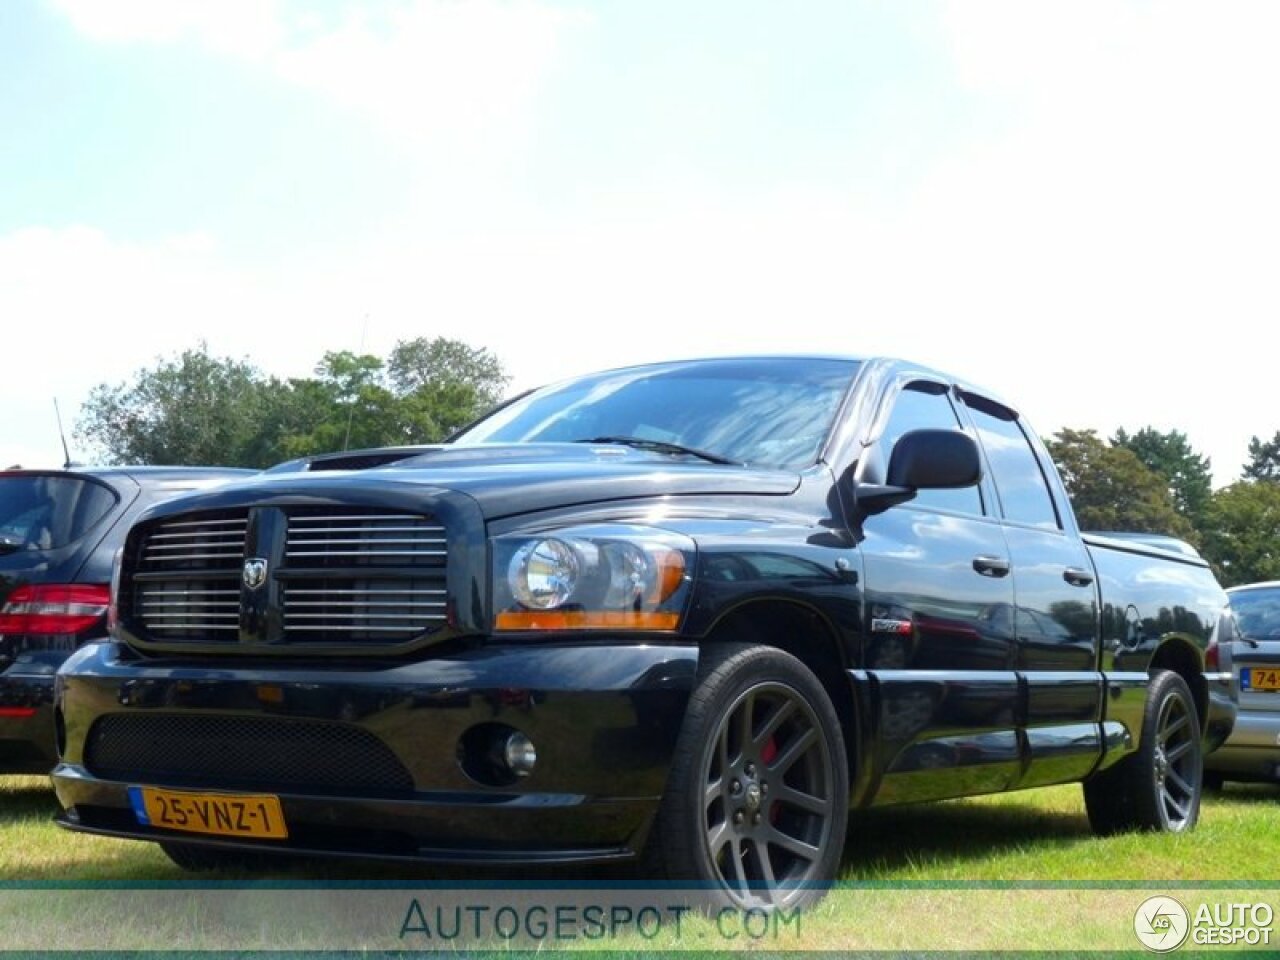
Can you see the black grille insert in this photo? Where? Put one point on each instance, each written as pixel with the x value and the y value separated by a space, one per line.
pixel 247 753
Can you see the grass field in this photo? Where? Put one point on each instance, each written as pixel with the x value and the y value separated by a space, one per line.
pixel 911 868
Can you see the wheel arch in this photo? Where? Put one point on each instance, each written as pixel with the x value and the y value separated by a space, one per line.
pixel 807 635
pixel 1183 658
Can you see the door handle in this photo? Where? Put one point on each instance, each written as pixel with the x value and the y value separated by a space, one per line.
pixel 1077 577
pixel 991 566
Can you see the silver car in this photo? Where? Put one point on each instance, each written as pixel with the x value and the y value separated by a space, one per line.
pixel 1252 657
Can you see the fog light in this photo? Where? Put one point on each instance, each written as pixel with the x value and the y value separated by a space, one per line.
pixel 519 754
pixel 496 754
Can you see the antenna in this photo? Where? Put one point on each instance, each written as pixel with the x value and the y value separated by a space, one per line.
pixel 351 413
pixel 62 435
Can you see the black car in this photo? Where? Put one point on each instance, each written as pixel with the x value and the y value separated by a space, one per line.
pixel 59 530
pixel 686 613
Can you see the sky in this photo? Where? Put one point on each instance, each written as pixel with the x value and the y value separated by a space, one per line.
pixel 1075 205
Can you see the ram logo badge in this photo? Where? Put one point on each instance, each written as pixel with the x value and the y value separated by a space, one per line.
pixel 255 572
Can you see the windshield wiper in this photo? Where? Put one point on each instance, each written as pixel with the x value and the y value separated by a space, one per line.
pixel 662 446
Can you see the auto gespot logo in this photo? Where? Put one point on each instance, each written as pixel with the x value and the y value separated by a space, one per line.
pixel 1162 923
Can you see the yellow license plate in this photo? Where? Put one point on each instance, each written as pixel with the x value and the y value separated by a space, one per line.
pixel 225 814
pixel 1260 678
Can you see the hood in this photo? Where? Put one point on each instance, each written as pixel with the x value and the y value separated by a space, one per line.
pixel 510 479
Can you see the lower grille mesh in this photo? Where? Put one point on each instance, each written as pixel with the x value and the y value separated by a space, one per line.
pixel 248 753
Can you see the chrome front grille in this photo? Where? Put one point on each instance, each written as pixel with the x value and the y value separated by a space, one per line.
pixel 187 610
pixel 211 540
pixel 353 537
pixel 355 609
pixel 341 575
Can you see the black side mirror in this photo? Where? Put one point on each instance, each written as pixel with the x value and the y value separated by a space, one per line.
pixel 934 459
pixel 923 460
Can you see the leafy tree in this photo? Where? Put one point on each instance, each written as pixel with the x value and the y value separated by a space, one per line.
pixel 192 409
pixel 346 405
pixel 446 383
pixel 1242 532
pixel 1187 474
pixel 201 409
pixel 1111 489
pixel 440 363
pixel 1264 460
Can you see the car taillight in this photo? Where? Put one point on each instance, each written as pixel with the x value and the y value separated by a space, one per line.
pixel 54 608
pixel 1211 657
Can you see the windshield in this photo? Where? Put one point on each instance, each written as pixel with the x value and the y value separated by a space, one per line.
pixel 1257 613
pixel 773 412
pixel 40 512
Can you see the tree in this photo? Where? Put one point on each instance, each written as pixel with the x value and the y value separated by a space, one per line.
pixel 192 409
pixel 1264 460
pixel 1187 474
pixel 1242 533
pixel 200 409
pixel 446 382
pixel 345 406
pixel 1111 489
pixel 439 362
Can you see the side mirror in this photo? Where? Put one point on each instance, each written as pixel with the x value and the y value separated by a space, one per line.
pixel 934 459
pixel 923 460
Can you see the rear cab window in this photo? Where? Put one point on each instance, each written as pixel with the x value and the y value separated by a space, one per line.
pixel 1017 472
pixel 47 511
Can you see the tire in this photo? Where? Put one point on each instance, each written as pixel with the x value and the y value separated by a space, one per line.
pixel 754 819
pixel 1158 786
pixel 197 858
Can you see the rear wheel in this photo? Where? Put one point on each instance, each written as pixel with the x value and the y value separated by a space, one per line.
pixel 1158 786
pixel 757 798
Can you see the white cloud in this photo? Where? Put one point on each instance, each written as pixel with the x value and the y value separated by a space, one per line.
pixel 243 28
pixel 429 71
pixel 433 69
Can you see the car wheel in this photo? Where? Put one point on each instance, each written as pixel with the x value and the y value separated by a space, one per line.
pixel 757 797
pixel 1158 786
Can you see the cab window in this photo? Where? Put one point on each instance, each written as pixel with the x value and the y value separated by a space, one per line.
pixel 1015 469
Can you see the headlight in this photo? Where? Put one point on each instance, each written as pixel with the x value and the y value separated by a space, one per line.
pixel 587 578
pixel 543 574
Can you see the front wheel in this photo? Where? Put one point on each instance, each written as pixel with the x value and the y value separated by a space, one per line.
pixel 757 797
pixel 1158 786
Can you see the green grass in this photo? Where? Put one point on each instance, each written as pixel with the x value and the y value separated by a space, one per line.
pixel 927 867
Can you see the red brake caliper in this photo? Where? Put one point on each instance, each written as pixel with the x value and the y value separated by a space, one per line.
pixel 767 755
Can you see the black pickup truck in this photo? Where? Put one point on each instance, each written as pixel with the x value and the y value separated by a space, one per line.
pixel 687 613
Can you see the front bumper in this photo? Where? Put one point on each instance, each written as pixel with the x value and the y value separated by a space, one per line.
pixel 603 716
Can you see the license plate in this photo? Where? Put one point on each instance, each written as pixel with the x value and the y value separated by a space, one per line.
pixel 226 814
pixel 1260 678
